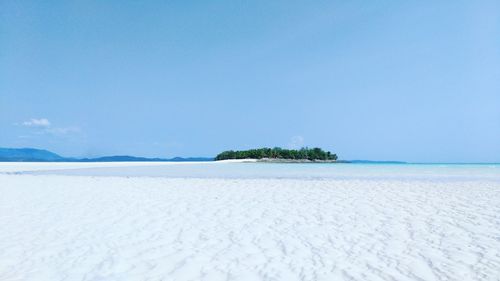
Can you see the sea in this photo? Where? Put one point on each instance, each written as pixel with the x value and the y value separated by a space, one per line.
pixel 347 171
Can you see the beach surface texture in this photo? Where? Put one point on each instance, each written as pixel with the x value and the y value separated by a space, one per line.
pixel 133 221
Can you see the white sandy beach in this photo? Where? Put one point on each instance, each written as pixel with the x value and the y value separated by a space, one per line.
pixel 69 227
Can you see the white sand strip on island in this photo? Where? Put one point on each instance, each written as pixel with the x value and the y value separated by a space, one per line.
pixel 117 228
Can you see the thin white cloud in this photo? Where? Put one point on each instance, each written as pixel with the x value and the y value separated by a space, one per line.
pixel 33 122
pixel 296 142
pixel 42 126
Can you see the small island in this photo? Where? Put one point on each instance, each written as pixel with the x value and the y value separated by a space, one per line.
pixel 278 154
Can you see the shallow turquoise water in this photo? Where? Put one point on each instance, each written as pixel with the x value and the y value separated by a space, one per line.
pixel 304 171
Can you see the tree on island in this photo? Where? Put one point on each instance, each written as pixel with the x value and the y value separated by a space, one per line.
pixel 304 153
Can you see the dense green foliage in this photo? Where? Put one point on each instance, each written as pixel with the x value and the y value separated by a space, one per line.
pixel 302 154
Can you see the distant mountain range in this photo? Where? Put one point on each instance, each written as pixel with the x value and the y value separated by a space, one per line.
pixel 41 155
pixel 28 154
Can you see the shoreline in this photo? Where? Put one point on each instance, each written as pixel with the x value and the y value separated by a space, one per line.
pixel 298 161
pixel 278 160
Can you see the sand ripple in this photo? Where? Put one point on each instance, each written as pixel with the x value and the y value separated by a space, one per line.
pixel 116 228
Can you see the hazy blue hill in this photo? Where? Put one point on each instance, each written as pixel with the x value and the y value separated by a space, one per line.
pixel 188 159
pixel 28 154
pixel 127 158
pixel 119 158
pixel 40 155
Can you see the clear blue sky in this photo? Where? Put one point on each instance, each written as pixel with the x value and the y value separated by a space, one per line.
pixel 401 80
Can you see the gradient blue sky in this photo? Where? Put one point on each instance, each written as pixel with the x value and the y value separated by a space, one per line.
pixel 402 80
